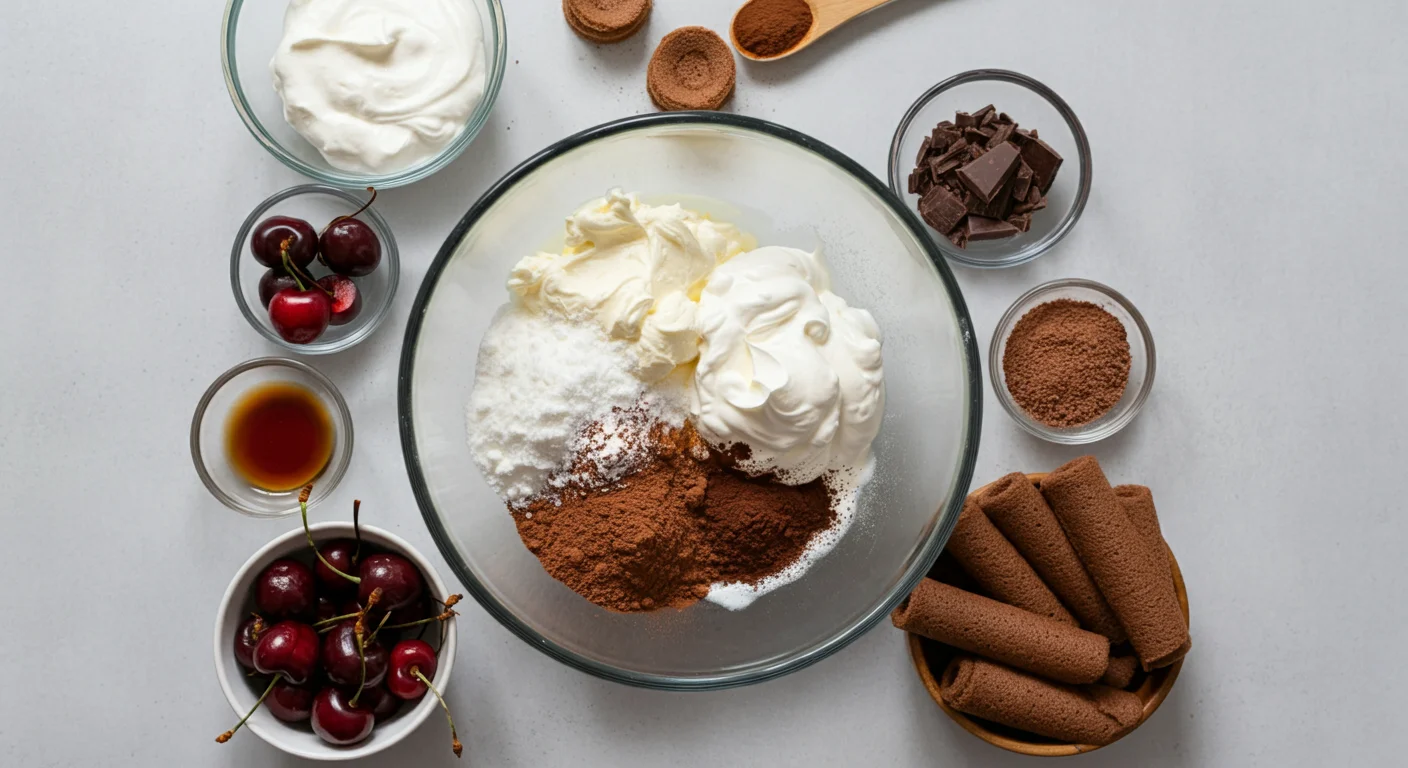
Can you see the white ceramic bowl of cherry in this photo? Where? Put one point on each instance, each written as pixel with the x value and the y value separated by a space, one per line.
pixel 300 740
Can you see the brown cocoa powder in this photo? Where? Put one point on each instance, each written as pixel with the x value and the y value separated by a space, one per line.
pixel 766 28
pixel 1067 362
pixel 662 535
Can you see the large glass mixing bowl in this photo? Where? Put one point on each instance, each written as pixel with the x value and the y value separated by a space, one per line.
pixel 786 189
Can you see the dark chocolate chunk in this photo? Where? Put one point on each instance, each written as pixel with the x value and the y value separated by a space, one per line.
pixel 959 236
pixel 1022 181
pixel 959 149
pixel 920 180
pixel 1043 160
pixel 976 136
pixel 941 209
pixel 1001 134
pixel 985 115
pixel 983 228
pixel 965 120
pixel 975 151
pixel 938 169
pixel 1002 117
pixel 943 137
pixel 1022 221
pixel 944 124
pixel 987 174
pixel 1035 201
pixel 924 148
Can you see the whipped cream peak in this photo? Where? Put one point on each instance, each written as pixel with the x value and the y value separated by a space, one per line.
pixel 634 269
pixel 786 367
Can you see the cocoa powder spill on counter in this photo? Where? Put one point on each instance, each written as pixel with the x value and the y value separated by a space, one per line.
pixel 1067 362
pixel 766 28
pixel 662 535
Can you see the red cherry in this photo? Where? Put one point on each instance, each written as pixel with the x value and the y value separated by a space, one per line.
pixel 336 721
pixel 300 317
pixel 346 298
pixel 408 658
pixel 267 241
pixel 339 552
pixel 341 661
pixel 288 648
pixel 285 590
pixel 290 703
pixel 246 639
pixel 398 578
pixel 381 702
pixel 272 282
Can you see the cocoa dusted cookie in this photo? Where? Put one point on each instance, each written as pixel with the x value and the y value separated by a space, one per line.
pixel 692 69
pixel 606 21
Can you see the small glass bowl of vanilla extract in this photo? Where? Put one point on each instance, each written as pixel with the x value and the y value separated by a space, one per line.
pixel 264 430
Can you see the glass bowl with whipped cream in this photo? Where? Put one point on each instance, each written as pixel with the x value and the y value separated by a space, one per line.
pixel 712 428
pixel 361 93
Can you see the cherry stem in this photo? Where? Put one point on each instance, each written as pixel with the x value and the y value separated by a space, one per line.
pixel 379 626
pixel 362 657
pixel 454 737
pixel 357 528
pixel 354 215
pixel 294 270
pixel 303 506
pixel 224 737
pixel 288 263
pixel 446 616
pixel 322 623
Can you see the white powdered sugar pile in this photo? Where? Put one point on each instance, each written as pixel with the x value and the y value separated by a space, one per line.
pixel 540 383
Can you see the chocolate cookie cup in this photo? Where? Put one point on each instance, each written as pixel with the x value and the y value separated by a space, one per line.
pixel 606 21
pixel 692 68
pixel 931 659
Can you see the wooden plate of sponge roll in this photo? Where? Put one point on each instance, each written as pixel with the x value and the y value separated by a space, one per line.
pixel 944 667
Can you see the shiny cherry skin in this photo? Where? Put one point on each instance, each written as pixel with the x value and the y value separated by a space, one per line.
pixel 349 247
pixel 398 578
pixel 407 657
pixel 326 608
pixel 289 648
pixel 339 552
pixel 286 589
pixel 268 237
pixel 380 701
pixel 346 298
pixel 336 721
pixel 246 640
pixel 272 282
pixel 300 317
pixel 340 660
pixel 290 703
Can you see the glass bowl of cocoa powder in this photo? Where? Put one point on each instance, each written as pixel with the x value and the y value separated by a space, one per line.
pixel 1072 361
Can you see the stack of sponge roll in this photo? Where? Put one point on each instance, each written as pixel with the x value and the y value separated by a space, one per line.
pixel 1053 600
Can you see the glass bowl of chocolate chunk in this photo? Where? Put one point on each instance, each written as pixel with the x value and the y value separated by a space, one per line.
pixel 995 163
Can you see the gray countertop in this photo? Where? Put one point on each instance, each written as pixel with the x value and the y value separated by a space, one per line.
pixel 1248 179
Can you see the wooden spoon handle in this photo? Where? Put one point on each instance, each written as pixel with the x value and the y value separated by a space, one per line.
pixel 833 13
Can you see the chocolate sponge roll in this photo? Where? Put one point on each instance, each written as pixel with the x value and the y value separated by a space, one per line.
pixel 1094 714
pixel 1138 504
pixel 1018 510
pixel 1130 573
pixel 999 568
pixel 1120 671
pixel 975 624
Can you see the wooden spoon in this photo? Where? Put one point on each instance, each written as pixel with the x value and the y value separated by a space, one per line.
pixel 826 16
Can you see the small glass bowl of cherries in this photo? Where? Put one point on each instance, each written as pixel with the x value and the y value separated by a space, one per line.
pixel 311 290
pixel 339 631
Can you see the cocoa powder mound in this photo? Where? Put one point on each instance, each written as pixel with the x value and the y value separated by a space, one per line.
pixel 1067 362
pixel 660 536
pixel 766 28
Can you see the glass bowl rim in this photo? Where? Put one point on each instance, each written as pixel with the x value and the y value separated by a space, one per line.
pixel 1077 436
pixel 928 551
pixel 391 261
pixel 328 480
pixel 496 64
pixel 1059 104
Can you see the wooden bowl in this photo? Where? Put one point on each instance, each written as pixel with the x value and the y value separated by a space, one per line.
pixel 930 659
